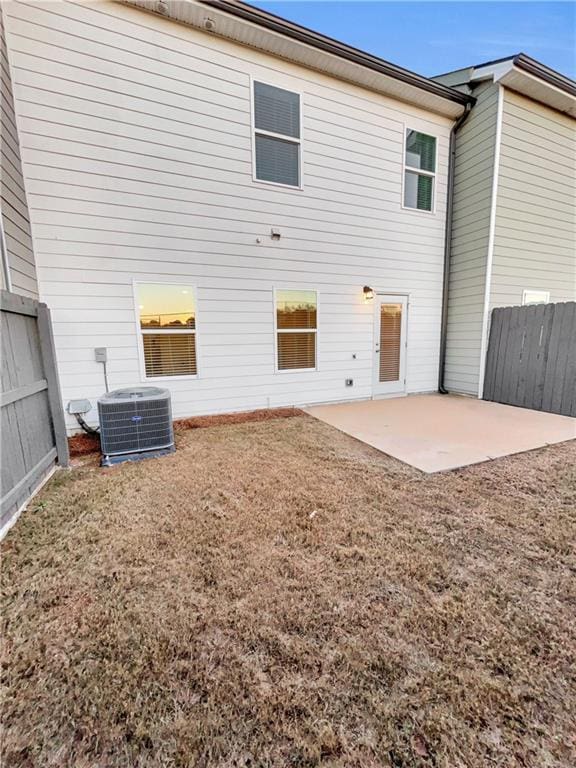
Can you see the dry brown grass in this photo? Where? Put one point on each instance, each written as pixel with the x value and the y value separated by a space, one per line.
pixel 277 594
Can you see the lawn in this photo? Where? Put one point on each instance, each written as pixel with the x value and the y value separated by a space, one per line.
pixel 278 594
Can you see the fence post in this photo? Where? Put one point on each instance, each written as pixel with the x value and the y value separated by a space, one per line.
pixel 48 351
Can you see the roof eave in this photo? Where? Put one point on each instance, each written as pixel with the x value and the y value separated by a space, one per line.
pixel 264 31
pixel 544 73
pixel 528 77
pixel 532 86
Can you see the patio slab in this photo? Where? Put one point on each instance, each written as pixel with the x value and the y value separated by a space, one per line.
pixel 441 432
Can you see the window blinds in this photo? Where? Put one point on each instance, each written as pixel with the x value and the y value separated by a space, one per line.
pixel 168 354
pixel 420 169
pixel 277 134
pixel 390 341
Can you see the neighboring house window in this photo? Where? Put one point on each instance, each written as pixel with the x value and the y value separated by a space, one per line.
pixel 535 297
pixel 296 329
pixel 167 322
pixel 419 171
pixel 277 140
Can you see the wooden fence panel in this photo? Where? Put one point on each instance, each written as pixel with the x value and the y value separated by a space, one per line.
pixel 531 359
pixel 33 431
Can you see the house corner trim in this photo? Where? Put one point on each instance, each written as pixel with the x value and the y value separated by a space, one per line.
pixel 491 237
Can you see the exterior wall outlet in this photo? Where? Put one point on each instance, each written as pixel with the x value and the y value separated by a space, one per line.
pixel 349 382
pixel 100 354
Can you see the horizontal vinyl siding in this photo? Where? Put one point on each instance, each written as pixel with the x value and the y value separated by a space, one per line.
pixel 535 237
pixel 471 221
pixel 14 207
pixel 137 140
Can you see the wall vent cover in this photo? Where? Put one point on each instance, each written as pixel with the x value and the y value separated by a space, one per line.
pixel 134 423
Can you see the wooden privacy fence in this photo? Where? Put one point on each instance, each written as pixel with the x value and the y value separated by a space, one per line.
pixel 33 435
pixel 531 359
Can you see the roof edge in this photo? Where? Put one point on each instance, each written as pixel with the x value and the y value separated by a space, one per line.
pixel 522 61
pixel 329 45
pixel 548 75
pixel 472 67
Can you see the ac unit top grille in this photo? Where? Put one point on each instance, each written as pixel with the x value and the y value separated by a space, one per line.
pixel 130 394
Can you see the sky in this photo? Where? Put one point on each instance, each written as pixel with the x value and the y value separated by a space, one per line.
pixel 435 37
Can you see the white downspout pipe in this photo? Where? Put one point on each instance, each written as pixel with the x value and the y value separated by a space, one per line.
pixel 491 237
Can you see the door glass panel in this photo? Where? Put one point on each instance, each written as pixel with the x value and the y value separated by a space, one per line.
pixel 390 341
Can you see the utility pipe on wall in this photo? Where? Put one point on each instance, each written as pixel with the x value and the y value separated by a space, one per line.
pixel 6 279
pixel 448 245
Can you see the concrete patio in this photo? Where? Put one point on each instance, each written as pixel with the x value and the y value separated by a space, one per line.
pixel 440 432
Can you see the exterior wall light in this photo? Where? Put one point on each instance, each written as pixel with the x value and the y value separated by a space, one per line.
pixel 368 293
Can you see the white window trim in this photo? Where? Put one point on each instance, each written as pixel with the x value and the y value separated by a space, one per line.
pixel 273 135
pixel 275 290
pixel 407 168
pixel 526 291
pixel 141 332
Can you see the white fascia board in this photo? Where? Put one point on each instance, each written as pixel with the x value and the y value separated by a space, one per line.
pixel 506 73
pixel 218 23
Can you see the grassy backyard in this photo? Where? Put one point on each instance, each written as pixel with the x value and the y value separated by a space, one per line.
pixel 277 594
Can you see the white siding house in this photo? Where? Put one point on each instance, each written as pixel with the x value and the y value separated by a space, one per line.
pixel 514 213
pixel 139 150
pixel 18 271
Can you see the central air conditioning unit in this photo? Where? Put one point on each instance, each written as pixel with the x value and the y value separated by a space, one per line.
pixel 135 423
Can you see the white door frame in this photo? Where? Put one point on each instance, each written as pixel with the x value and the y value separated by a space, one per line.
pixel 389 388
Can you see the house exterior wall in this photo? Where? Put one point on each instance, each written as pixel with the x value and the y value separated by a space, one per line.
pixel 525 201
pixel 13 204
pixel 535 233
pixel 473 181
pixel 137 148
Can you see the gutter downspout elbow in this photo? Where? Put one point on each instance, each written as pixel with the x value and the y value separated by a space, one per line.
pixel 448 246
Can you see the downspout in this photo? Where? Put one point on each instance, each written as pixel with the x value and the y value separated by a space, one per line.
pixel 448 245
pixel 6 278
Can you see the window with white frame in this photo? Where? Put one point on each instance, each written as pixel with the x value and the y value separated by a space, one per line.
pixel 419 171
pixel 535 297
pixel 296 329
pixel 277 139
pixel 167 321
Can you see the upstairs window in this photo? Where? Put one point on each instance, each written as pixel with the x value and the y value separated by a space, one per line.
pixel 296 329
pixel 167 321
pixel 419 171
pixel 277 140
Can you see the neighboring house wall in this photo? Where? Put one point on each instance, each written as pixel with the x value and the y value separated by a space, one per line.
pixel 473 178
pixel 13 204
pixel 137 149
pixel 535 236
pixel 530 209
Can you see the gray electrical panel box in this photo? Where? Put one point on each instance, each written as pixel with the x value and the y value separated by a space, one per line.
pixel 79 406
pixel 100 354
